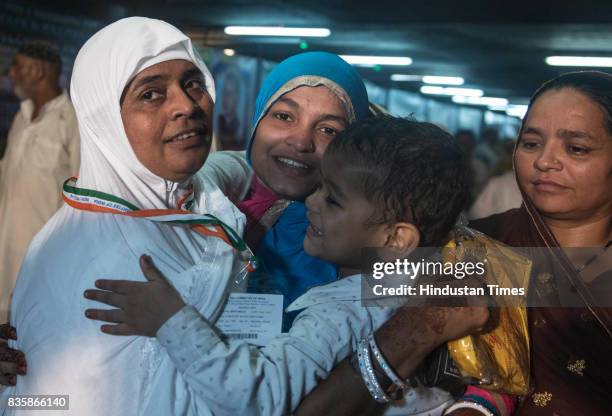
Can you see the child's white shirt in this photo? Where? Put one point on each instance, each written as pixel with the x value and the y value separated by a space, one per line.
pixel 234 377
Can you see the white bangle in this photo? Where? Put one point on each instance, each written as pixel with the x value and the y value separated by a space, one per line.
pixel 368 375
pixel 468 405
pixel 384 365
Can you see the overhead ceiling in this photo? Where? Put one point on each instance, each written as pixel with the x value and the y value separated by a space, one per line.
pixel 496 46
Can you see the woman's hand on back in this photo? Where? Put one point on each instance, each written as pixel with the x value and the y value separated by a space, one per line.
pixel 12 361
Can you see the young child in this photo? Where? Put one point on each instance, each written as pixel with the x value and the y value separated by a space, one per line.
pixel 386 182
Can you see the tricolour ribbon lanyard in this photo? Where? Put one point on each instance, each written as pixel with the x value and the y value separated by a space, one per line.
pixel 204 224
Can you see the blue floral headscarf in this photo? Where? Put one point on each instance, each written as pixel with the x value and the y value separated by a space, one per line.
pixel 312 69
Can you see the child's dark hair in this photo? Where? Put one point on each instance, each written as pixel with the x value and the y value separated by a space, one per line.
pixel 411 171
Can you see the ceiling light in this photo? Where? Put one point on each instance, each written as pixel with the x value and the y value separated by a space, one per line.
pixel 431 79
pixel 490 101
pixel 229 52
pixel 467 92
pixel 428 79
pixel 405 77
pixel 301 32
pixel 599 61
pixel 517 110
pixel 376 60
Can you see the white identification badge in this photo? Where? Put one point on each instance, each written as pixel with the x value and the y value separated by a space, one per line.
pixel 252 317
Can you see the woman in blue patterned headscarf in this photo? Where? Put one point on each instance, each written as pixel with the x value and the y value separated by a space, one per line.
pixel 303 103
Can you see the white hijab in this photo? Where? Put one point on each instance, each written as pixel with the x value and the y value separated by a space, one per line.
pixel 102 69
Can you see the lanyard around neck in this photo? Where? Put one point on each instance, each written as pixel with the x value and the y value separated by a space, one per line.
pixel 205 224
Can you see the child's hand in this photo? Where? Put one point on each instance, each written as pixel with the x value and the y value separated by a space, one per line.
pixel 143 306
pixel 12 362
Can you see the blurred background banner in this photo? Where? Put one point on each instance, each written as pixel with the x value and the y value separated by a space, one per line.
pixel 236 84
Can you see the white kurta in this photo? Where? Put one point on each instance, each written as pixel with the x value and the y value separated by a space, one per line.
pixel 40 155
pixel 230 171
pixel 67 353
pixel 500 194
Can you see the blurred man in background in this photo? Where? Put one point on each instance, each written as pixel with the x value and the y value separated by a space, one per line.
pixel 501 192
pixel 42 151
pixel 478 170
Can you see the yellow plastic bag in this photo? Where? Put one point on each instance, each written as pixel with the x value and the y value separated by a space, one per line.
pixel 498 356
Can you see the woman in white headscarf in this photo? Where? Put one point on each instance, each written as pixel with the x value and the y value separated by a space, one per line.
pixel 143 99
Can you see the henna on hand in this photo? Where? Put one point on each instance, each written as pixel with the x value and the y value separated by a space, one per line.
pixel 413 332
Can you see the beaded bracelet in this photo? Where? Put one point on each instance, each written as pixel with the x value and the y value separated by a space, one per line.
pixel 384 365
pixel 367 373
pixel 468 405
pixel 503 404
pixel 483 402
pixel 383 380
